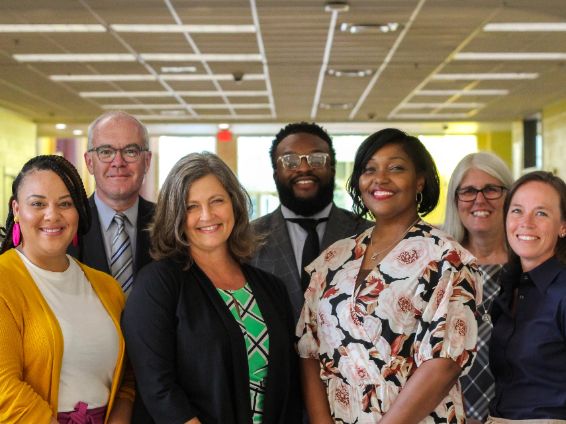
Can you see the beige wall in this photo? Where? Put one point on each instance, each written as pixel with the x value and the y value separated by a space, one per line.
pixel 17 146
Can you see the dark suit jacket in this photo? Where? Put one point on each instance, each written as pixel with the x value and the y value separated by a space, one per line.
pixel 90 250
pixel 276 255
pixel 188 353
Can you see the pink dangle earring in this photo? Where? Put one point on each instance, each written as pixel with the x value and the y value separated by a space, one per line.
pixel 75 240
pixel 16 232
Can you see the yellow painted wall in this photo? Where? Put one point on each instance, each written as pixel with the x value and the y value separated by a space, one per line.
pixel 554 138
pixel 498 142
pixel 17 146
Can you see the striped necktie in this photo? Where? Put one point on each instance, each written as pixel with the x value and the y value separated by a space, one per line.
pixel 121 260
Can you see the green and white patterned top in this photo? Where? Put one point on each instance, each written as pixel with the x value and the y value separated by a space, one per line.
pixel 246 312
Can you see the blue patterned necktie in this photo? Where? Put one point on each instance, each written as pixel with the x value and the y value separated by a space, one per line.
pixel 121 260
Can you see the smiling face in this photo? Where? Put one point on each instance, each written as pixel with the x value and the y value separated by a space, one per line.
pixel 304 190
pixel 210 216
pixel 48 219
pixel 534 223
pixel 118 183
pixel 389 184
pixel 481 216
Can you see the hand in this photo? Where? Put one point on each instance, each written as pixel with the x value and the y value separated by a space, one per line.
pixel 53 421
pixel 194 420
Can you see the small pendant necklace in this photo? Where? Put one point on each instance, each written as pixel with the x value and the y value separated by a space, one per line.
pixel 379 252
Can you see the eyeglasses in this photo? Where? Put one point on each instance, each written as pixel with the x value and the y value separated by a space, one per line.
pixel 129 153
pixel 293 160
pixel 490 192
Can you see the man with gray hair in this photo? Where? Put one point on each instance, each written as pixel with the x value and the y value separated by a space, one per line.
pixel 118 157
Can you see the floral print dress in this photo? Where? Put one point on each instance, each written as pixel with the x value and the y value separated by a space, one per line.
pixel 417 304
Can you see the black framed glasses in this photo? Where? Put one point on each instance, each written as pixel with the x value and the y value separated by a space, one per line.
pixel 490 192
pixel 293 160
pixel 129 153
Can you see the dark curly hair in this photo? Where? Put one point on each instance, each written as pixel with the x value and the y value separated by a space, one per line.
pixel 301 127
pixel 417 152
pixel 72 180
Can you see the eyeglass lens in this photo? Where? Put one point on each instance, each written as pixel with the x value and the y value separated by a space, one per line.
pixel 490 192
pixel 293 161
pixel 108 153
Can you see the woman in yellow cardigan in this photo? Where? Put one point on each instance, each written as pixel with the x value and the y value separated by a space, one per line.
pixel 61 347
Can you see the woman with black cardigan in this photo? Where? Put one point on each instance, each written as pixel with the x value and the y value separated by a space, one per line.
pixel 210 338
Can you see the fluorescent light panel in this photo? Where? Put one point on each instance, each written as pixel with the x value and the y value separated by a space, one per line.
pixel 511 56
pixel 116 94
pixel 486 76
pixel 194 106
pixel 144 118
pixel 52 28
pixel 430 115
pixel 148 77
pixel 477 92
pixel 125 57
pixel 204 29
pixel 441 105
pixel 526 27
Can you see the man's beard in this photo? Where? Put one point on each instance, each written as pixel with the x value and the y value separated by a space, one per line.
pixel 309 206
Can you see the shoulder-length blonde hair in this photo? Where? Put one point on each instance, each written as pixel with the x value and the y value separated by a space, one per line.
pixel 167 230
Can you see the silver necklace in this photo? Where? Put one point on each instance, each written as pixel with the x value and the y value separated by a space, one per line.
pixel 379 252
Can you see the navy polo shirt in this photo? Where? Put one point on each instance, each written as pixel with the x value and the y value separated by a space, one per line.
pixel 528 350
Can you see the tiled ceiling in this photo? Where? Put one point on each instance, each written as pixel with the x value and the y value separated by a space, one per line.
pixel 268 60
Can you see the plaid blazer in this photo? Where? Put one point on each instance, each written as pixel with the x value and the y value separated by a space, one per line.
pixel 276 255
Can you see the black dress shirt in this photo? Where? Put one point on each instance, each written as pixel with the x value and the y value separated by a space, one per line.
pixel 528 348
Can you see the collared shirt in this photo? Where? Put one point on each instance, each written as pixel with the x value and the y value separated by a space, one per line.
pixel 108 227
pixel 298 234
pixel 528 348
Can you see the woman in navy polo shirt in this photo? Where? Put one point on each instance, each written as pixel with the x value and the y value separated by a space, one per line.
pixel 528 344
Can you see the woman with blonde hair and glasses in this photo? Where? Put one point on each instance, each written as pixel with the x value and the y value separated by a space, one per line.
pixel 474 216
pixel 210 337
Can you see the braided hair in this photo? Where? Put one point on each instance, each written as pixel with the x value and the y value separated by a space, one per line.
pixel 72 180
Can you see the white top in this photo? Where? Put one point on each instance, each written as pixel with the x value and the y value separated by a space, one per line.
pixel 90 338
pixel 298 234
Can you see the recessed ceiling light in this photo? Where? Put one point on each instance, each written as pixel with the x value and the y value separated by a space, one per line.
pixel 369 28
pixel 441 105
pixel 210 29
pixel 475 92
pixel 178 69
pixel 511 56
pixel 336 6
pixel 486 76
pixel 77 132
pixel 223 126
pixel 526 26
pixel 60 126
pixel 52 28
pixel 336 106
pixel 352 73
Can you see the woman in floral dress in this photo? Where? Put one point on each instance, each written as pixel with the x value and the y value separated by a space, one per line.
pixel 388 323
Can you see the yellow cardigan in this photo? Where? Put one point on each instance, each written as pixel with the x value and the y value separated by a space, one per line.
pixel 31 343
